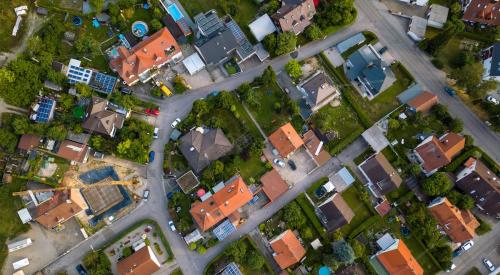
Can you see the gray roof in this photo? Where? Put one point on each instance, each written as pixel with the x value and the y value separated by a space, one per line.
pixel 218 47
pixel 318 88
pixel 100 119
pixel 334 212
pixel 200 147
pixel 438 13
pixel 381 173
pixel 366 65
pixel 350 42
pixel 412 91
pixel 262 26
pixel 495 60
pixel 418 26
pixel 208 23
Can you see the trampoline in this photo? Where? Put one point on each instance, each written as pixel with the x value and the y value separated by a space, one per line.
pixel 139 29
pixel 77 20
pixel 174 11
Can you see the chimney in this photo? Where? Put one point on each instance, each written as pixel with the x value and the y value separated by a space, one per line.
pixel 145 50
pixel 191 149
pixel 226 203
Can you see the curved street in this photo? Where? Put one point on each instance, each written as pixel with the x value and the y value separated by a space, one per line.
pixel 371 16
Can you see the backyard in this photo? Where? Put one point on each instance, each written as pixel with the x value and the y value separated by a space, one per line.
pixel 361 211
pixel 7 20
pixel 269 107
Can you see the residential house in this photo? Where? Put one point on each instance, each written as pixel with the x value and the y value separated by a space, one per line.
pixel 482 184
pixel 73 151
pixel 423 102
pixel 273 185
pixel 395 258
pixel 230 269
pixel 28 142
pixel 100 118
pixel 202 146
pixel 484 12
pixel 417 28
pixel 222 204
pixel 381 176
pixel 375 137
pixel 315 148
pixel 318 90
pixel 437 16
pixel 141 262
pixel 491 62
pixel 100 82
pixel 334 212
pixel 434 153
pixel 61 207
pixel 43 110
pixel 286 140
pixel 287 249
pixel 141 62
pixel 261 27
pixel 174 28
pixel 218 40
pixel 459 225
pixel 295 15
pixel 371 74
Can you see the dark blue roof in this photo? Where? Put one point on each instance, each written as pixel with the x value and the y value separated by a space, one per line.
pixel 102 82
pixel 45 110
pixel 495 60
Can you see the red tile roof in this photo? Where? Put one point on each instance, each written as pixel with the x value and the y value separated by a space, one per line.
pixel 312 143
pixel 221 204
pixel 72 151
pixel 141 262
pixel 287 249
pixel 152 52
pixel 483 11
pixel 459 225
pixel 398 260
pixel 423 102
pixel 58 209
pixel 286 140
pixel 437 153
pixel 28 142
pixel 273 185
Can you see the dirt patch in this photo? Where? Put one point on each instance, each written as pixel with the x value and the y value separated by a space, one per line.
pixel 47 170
pixel 310 66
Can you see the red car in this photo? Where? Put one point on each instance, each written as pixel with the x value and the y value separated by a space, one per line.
pixel 154 112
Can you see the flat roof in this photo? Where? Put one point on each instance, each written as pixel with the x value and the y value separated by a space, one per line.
pixel 350 42
pixel 375 138
pixel 102 198
pixel 188 181
pixel 261 27
pixel 193 63
pixel 418 26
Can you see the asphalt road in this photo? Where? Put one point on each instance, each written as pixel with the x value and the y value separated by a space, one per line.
pixel 371 16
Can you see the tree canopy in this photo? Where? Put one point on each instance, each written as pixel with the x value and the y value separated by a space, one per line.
pixel 294 69
pixel 343 252
pixel 437 184
pixel 293 215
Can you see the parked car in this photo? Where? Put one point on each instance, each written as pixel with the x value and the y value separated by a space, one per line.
pixel 152 112
pixel 81 270
pixel 457 252
pixel 279 162
pixel 492 100
pixel 172 226
pixel 151 156
pixel 155 132
pixel 467 245
pixel 126 90
pixel 213 93
pixel 175 123
pixel 170 195
pixel 450 91
pixel 292 165
pixel 489 265
pixel 145 195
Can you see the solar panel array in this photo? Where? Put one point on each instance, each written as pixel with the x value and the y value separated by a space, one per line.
pixel 231 269
pixel 44 112
pixel 235 29
pixel 224 229
pixel 245 49
pixel 102 82
pixel 78 74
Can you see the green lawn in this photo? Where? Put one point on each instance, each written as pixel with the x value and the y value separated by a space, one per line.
pixel 265 112
pixel 253 167
pixel 11 225
pixel 316 185
pixel 7 21
pixel 361 211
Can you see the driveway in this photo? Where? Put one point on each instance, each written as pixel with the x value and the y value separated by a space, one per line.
pixel 305 165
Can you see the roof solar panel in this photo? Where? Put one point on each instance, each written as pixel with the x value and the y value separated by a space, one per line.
pixel 224 229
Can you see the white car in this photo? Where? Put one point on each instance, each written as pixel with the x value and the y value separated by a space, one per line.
pixel 145 195
pixel 279 162
pixel 155 132
pixel 453 266
pixel 172 226
pixel 467 245
pixel 175 123
pixel 493 100
pixel 489 265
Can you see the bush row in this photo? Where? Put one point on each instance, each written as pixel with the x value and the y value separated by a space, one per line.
pixel 309 211
pixel 365 225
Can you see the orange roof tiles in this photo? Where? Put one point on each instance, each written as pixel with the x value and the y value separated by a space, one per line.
pixel 398 260
pixel 141 262
pixel 459 225
pixel 312 143
pixel 221 204
pixel 273 184
pixel 423 102
pixel 58 209
pixel 287 249
pixel 152 52
pixel 437 153
pixel 286 140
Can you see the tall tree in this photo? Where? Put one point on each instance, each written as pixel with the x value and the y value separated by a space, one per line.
pixel 437 184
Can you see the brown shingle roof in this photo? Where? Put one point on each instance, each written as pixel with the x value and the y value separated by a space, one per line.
pixel 286 140
pixel 437 153
pixel 221 204
pixel 101 120
pixel 58 209
pixel 423 102
pixel 142 262
pixel 273 185
pixel 28 142
pixel 458 224
pixel 320 89
pixel 335 213
pixel 483 11
pixel 287 249
pixel 151 52
pixel 295 15
pixel 380 172
pixel 72 151
pixel 398 260
pixel 312 143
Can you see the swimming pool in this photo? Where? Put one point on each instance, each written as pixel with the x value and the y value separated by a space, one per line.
pixel 139 29
pixel 174 11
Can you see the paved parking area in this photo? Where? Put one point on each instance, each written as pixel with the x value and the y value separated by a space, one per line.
pixel 305 165
pixel 47 245
pixel 334 56
pixel 405 9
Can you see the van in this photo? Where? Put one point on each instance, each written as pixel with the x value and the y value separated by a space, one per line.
pixel 155 132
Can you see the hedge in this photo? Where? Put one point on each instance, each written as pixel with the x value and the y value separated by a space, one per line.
pixel 347 92
pixel 405 71
pixel 337 148
pixel 311 215
pixel 365 225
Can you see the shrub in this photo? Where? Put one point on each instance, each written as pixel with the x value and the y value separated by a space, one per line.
pixel 127 251
pixel 192 246
pixel 158 249
pixel 438 63
pixel 483 228
pixel 201 250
